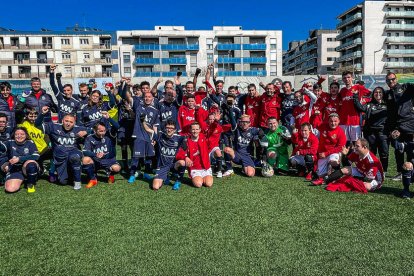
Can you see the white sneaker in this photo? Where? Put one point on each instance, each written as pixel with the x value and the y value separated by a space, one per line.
pixel 398 177
pixel 77 186
pixel 219 174
pixel 228 173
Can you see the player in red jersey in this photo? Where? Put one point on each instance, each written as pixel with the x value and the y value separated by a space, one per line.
pixel 305 148
pixel 348 115
pixel 270 104
pixel 186 114
pixel 331 141
pixel 367 169
pixel 249 104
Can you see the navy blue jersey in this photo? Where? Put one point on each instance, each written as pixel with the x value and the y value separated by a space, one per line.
pixel 62 140
pixel 90 115
pixel 25 151
pixel 243 139
pixel 168 111
pixel 10 112
pixel 105 145
pixel 168 147
pixel 82 100
pixel 288 104
pixel 207 103
pixel 45 99
pixel 6 134
pixel 236 115
pixel 66 106
pixel 151 118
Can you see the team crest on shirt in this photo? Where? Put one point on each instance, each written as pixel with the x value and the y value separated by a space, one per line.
pixel 324 134
pixel 72 134
pixel 334 136
pixel 43 98
pixel 72 104
pixel 103 140
pixel 26 151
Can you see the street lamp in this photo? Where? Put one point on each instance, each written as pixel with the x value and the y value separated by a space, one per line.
pixel 375 52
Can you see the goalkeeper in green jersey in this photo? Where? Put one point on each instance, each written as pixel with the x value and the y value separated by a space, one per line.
pixel 277 151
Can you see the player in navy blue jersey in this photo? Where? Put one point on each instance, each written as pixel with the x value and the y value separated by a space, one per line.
pixel 143 147
pixel 5 134
pixel 99 150
pixel 170 103
pixel 83 96
pixel 169 142
pixel 63 93
pixel 91 113
pixel 65 139
pixel 244 135
pixel 21 164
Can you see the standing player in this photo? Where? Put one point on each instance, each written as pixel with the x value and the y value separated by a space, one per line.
pixel 22 155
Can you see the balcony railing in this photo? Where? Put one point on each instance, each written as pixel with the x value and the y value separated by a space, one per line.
pixel 225 47
pixel 254 46
pixel 166 47
pixel 399 39
pixel 399 64
pixel 400 52
pixel 240 60
pixel 349 56
pixel 349 32
pixel 402 14
pixel 399 27
pixel 349 20
pixel 349 44
pixel 258 73
pixel 158 74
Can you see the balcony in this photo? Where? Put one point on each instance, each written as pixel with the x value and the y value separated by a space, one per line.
pixel 44 60
pixel 105 45
pixel 158 74
pixel 104 60
pixel 147 61
pixel 240 60
pixel 350 56
pixel 228 60
pixel 399 64
pixel 399 27
pixel 348 20
pixel 402 14
pixel 254 60
pixel 174 61
pixel 47 46
pixel 226 47
pixel 399 39
pixel 309 48
pixel 166 47
pixel 349 32
pixel 398 52
pixel 260 73
pixel 22 61
pixel 254 47
pixel 349 44
pixel 309 64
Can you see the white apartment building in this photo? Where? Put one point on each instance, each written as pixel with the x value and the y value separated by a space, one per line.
pixel 168 49
pixel 377 37
pixel 315 55
pixel 78 52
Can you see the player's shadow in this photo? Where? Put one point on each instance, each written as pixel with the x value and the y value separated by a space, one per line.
pixel 389 191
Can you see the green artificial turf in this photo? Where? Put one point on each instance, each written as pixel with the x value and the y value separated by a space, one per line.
pixel 259 226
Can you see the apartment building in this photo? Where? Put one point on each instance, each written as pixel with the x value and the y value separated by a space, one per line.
pixel 168 49
pixel 78 52
pixel 377 37
pixel 315 55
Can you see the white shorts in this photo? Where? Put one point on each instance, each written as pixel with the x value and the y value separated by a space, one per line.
pixel 352 133
pixel 299 159
pixel 374 183
pixel 323 164
pixel 201 173
pixel 212 152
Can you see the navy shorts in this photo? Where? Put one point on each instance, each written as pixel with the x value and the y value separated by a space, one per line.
pixel 15 172
pixel 143 149
pixel 243 159
pixel 104 164
pixel 162 172
pixel 125 134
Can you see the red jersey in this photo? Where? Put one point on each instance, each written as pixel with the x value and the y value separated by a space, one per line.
pixel 331 140
pixel 369 166
pixel 186 116
pixel 252 108
pixel 305 146
pixel 327 106
pixel 198 153
pixel 269 107
pixel 316 119
pixel 348 114
pixel 199 96
pixel 213 132
pixel 301 112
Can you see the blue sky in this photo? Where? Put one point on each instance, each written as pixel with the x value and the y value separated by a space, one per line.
pixel 295 21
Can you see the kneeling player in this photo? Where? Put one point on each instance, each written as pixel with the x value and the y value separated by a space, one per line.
pixel 99 151
pixel 168 144
pixel 243 136
pixel 279 140
pixel 22 155
pixel 198 160
pixel 305 150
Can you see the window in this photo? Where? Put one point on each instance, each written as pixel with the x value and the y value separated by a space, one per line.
pixel 68 70
pixel 388 9
pixel 330 39
pixel 84 41
pixel 209 46
pixel 127 57
pixel 388 34
pixel 388 46
pixel 86 56
pixel 86 69
pixel 273 46
pixel 397 21
pixel 388 21
pixel 397 9
pixel 65 41
pixel 127 69
pixel 397 47
pixel 66 55
pixel 210 58
pixel 330 49
pixel 397 34
pixel 397 59
pixel 329 59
